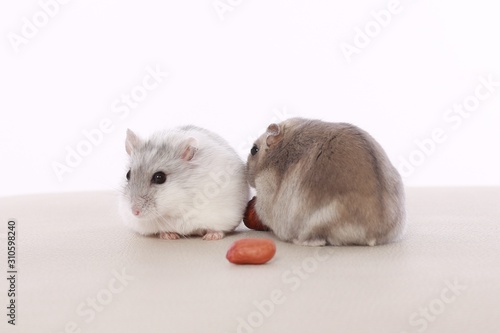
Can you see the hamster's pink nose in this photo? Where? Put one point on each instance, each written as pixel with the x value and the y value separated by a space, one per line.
pixel 136 211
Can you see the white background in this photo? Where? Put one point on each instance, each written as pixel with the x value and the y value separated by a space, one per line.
pixel 235 76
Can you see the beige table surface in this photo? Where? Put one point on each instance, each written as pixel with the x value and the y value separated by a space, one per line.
pixel 81 270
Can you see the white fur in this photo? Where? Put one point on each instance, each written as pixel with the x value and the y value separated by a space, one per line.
pixel 208 193
pixel 349 234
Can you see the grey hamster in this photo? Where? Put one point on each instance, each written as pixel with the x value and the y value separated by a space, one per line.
pixel 321 183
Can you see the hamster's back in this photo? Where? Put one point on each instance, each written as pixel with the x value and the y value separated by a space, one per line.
pixel 215 140
pixel 338 165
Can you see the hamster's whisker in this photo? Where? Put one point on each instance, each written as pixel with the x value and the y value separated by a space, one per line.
pixel 161 218
pixel 157 220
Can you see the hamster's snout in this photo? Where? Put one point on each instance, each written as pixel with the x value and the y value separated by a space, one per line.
pixel 139 210
pixel 136 210
pixel 139 207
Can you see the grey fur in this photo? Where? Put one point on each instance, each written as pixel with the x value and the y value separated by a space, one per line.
pixel 326 183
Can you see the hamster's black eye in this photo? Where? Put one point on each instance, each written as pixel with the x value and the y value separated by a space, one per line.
pixel 128 175
pixel 254 150
pixel 159 178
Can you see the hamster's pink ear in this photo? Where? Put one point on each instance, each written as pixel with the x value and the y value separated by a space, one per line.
pixel 132 142
pixel 274 135
pixel 189 149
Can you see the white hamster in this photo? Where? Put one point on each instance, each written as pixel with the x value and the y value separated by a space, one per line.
pixel 181 182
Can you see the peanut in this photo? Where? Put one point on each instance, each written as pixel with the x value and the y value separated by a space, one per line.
pixel 253 251
pixel 251 219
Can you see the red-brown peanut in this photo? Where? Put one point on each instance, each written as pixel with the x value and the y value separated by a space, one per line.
pixel 254 251
pixel 250 218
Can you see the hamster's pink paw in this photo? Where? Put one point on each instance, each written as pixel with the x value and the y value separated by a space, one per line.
pixel 213 235
pixel 169 235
